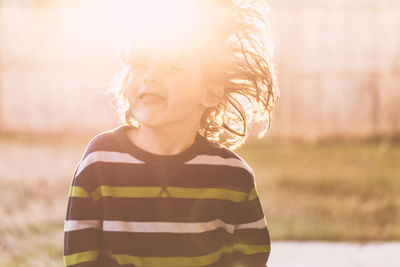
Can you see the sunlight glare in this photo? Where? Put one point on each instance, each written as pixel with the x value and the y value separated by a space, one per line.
pixel 160 22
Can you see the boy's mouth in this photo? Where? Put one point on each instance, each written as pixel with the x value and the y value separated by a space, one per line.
pixel 151 98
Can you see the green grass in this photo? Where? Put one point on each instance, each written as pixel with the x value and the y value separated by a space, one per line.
pixel 322 191
pixel 343 190
pixel 35 174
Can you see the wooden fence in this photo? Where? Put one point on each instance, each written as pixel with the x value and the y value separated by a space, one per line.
pixel 338 67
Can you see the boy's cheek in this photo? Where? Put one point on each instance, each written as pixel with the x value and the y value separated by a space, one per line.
pixel 134 79
pixel 131 88
pixel 130 95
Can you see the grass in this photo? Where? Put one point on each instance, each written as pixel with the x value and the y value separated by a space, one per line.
pixel 35 174
pixel 343 190
pixel 338 190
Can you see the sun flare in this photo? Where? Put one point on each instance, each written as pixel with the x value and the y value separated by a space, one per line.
pixel 159 23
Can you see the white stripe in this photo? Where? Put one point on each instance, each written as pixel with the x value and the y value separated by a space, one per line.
pixel 217 160
pixel 166 227
pixel 73 225
pixel 260 224
pixel 107 156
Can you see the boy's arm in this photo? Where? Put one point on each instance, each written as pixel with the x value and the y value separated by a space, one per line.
pixel 83 224
pixel 251 236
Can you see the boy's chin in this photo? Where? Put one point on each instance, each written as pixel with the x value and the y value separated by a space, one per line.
pixel 150 121
pixel 159 124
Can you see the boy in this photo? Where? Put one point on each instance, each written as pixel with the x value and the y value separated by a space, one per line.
pixel 161 189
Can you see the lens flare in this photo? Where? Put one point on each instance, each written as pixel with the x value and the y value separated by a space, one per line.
pixel 158 24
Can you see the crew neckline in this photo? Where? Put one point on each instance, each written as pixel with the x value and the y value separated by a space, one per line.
pixel 149 157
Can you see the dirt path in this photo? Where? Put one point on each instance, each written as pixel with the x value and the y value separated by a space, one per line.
pixel 327 254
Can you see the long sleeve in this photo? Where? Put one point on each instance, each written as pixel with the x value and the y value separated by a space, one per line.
pixel 251 236
pixel 83 222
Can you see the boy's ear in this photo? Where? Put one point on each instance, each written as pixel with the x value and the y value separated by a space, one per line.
pixel 213 95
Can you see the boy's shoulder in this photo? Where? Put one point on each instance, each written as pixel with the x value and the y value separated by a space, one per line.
pixel 103 141
pixel 212 153
pixel 226 156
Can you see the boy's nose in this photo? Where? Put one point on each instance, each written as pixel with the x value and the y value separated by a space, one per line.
pixel 151 76
pixel 150 81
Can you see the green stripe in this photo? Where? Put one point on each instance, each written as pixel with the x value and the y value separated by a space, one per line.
pixel 202 193
pixel 174 192
pixel 76 258
pixel 251 249
pixel 78 191
pixel 253 194
pixel 125 191
pixel 186 261
pixel 165 261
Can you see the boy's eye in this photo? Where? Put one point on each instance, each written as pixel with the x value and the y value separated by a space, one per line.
pixel 173 68
pixel 139 66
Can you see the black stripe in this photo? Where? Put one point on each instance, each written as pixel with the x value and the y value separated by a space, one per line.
pixel 249 211
pixel 123 174
pixel 165 244
pixel 105 261
pixel 252 236
pixel 81 240
pixel 88 178
pixel 83 209
pixel 254 260
pixel 90 264
pixel 168 209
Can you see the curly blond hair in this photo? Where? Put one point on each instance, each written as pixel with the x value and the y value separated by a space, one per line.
pixel 247 75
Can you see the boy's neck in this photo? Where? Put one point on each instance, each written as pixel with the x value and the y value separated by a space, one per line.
pixel 162 141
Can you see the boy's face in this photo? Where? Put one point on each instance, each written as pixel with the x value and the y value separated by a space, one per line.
pixel 164 88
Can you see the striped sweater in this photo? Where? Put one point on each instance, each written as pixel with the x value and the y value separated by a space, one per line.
pixel 128 207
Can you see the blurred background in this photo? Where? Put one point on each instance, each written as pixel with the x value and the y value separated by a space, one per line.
pixel 329 168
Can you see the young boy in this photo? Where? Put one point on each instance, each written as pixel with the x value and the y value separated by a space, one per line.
pixel 163 189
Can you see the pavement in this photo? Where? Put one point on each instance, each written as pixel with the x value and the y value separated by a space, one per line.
pixel 333 254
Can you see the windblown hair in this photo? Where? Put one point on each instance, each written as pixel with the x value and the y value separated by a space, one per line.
pixel 246 72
